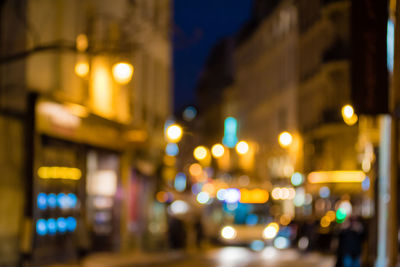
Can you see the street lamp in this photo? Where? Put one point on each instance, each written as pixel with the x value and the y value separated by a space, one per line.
pixel 200 153
pixel 122 72
pixel 285 139
pixel 82 68
pixel 349 117
pixel 217 150
pixel 174 133
pixel 242 147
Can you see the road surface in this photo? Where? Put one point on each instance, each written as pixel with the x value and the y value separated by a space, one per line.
pixel 243 257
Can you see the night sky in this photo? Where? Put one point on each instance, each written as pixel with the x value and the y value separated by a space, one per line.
pixel 199 24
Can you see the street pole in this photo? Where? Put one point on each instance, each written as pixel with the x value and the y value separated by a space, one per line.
pixel 388 158
pixel 394 102
pixel 383 190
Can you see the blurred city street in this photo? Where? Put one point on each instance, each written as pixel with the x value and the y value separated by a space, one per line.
pixel 199 133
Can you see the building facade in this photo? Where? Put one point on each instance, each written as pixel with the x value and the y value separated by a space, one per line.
pixel 87 145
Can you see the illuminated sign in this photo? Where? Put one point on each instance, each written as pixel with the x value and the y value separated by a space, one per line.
pixel 102 183
pixel 336 177
pixel 59 115
pixel 53 226
pixel 63 201
pixel 253 195
pixel 230 132
pixel 59 173
pixel 283 193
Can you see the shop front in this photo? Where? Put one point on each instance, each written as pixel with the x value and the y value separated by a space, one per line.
pixel 76 183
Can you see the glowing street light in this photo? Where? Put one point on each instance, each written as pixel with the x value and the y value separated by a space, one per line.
pixel 271 230
pixel 122 72
pixel 174 133
pixel 242 147
pixel 285 139
pixel 347 111
pixel 228 232
pixel 217 150
pixel 349 117
pixel 200 153
pixel 82 69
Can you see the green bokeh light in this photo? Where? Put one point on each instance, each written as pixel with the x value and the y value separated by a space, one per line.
pixel 340 215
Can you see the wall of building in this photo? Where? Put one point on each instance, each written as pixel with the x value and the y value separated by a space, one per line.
pixel 265 84
pixel 38 37
pixel 324 87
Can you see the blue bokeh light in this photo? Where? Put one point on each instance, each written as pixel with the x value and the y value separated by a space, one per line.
pixel 281 242
pixel 257 245
pixel 61 225
pixel 189 113
pixel 71 224
pixel 42 201
pixel 41 227
pixel 324 192
pixel 172 149
pixel 297 179
pixel 230 132
pixel 366 184
pixel 52 200
pixel 52 226
pixel 251 219
pixel 180 182
pixel 72 200
pixel 62 201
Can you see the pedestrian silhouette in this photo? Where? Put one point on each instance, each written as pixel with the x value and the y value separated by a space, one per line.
pixel 350 244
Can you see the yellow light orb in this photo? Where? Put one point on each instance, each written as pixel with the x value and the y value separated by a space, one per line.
pixel 82 69
pixel 347 111
pixel 82 42
pixel 195 169
pixel 292 193
pixel 331 215
pixel 285 193
pixel 325 221
pixel 174 133
pixel 271 231
pixel 242 147
pixel 218 150
pixel 285 219
pixel 122 72
pixel 276 193
pixel 200 153
pixel 352 120
pixel 285 139
pixel 228 232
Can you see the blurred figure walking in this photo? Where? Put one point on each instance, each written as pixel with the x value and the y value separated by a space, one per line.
pixel 350 244
pixel 176 233
pixel 198 226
